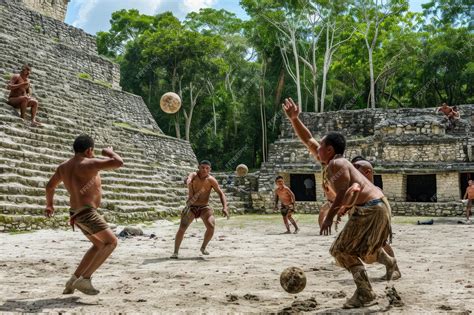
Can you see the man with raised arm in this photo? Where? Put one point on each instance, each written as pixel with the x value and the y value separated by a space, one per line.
pixel 80 176
pixel 368 227
pixel 200 184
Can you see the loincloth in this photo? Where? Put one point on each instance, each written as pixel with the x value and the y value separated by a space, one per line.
pixel 367 230
pixel 88 220
pixel 198 211
pixel 285 209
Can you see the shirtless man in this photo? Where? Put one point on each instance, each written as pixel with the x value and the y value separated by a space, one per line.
pixel 80 176
pixel 366 168
pixel 287 198
pixel 470 196
pixel 200 185
pixel 20 94
pixel 368 227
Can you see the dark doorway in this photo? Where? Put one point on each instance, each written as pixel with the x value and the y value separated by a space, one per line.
pixel 378 181
pixel 303 186
pixel 463 179
pixel 421 188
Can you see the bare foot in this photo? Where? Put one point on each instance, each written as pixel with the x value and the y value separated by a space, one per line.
pixel 69 289
pixel 296 231
pixel 361 298
pixel 204 251
pixel 35 123
pixel 174 256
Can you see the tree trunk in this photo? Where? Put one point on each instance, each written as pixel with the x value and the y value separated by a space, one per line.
pixel 372 80
pixel 297 67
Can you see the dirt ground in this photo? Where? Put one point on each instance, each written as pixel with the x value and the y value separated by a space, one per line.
pixel 242 273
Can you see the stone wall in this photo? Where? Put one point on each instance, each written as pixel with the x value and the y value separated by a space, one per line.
pixel 379 122
pixel 52 8
pixel 447 187
pixel 38 28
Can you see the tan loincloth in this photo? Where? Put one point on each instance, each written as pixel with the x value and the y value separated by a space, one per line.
pixel 368 229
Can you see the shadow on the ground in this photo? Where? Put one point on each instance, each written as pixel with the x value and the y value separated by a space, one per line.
pixel 158 260
pixel 28 306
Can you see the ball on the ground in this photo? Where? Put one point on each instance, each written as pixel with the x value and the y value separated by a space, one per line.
pixel 293 280
pixel 170 102
pixel 241 170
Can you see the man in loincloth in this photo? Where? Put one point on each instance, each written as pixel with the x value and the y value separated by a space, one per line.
pixel 287 207
pixel 200 184
pixel 80 176
pixel 469 195
pixel 20 94
pixel 368 228
pixel 366 168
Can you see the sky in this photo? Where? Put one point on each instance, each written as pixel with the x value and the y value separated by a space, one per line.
pixel 94 15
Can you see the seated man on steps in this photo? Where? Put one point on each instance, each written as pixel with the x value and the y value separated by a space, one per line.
pixel 20 94
pixel 81 178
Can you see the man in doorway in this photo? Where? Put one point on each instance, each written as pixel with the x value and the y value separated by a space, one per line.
pixel 20 94
pixel 309 187
pixel 469 195
pixel 200 184
pixel 80 176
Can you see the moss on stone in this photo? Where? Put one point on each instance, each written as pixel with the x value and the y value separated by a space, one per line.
pixel 84 76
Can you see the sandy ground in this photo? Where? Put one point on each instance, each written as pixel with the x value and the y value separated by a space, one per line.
pixel 242 273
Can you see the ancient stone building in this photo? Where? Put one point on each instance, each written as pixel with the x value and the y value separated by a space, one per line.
pixel 79 92
pixel 52 8
pixel 422 167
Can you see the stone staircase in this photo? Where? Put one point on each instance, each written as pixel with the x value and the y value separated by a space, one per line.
pixel 147 187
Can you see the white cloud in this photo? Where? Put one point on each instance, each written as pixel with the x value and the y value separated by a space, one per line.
pixel 94 15
pixel 195 5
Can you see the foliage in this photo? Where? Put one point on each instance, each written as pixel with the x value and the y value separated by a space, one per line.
pixel 232 74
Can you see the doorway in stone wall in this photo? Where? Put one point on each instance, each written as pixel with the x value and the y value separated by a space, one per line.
pixel 303 186
pixel 421 188
pixel 463 179
pixel 378 181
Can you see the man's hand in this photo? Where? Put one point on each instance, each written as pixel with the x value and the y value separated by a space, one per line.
pixel 225 212
pixel 291 109
pixel 49 212
pixel 109 151
pixel 326 226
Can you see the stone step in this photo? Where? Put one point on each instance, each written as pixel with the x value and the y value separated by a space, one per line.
pixel 24 168
pixel 44 139
pixel 25 144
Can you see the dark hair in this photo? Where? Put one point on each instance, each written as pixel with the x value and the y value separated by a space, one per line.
pixel 358 158
pixel 455 107
pixel 205 162
pixel 337 141
pixel 26 67
pixel 82 143
pixel 278 177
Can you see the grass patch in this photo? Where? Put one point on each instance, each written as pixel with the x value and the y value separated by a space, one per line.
pixel 103 83
pixel 88 77
pixel 127 126
pixel 38 28
pixel 84 76
pixel 16 232
pixel 7 76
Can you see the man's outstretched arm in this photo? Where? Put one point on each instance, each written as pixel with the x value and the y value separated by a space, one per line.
pixel 218 190
pixel 50 189
pixel 292 111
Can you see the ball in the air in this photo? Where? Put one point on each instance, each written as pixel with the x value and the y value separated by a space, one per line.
pixel 170 103
pixel 241 170
pixel 293 280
